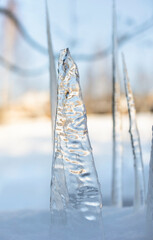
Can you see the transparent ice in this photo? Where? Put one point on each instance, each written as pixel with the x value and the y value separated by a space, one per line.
pixel 52 72
pixel 139 198
pixel 150 193
pixel 117 134
pixel 75 183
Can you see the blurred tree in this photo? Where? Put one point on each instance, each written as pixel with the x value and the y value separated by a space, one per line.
pixel 8 48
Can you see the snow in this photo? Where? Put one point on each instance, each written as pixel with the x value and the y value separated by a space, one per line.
pixel 124 224
pixel 36 225
pixel 25 173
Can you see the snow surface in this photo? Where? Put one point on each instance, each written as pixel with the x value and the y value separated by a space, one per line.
pixel 121 224
pixel 25 173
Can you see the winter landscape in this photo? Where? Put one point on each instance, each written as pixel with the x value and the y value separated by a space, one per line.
pixel 76 126
pixel 25 200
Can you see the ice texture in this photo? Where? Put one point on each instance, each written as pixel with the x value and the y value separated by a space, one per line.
pixel 150 194
pixel 117 134
pixel 75 183
pixel 139 198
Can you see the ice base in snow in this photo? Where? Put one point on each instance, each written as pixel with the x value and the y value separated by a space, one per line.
pixel 74 186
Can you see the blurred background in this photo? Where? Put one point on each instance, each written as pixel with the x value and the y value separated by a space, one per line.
pixel 25 129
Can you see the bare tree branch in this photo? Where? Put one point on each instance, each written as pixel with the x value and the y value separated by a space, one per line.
pixel 33 72
pixel 121 41
pixel 79 57
pixel 34 44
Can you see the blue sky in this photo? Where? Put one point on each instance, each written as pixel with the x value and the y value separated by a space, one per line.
pixel 92 31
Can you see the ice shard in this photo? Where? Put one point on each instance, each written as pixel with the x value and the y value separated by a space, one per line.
pixel 52 73
pixel 150 194
pixel 117 135
pixel 75 184
pixel 53 105
pixel 139 198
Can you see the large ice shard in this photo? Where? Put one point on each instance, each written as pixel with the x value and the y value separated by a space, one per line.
pixel 150 194
pixel 75 184
pixel 139 198
pixel 117 135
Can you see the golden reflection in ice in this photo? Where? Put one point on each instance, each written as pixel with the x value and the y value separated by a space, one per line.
pixel 78 172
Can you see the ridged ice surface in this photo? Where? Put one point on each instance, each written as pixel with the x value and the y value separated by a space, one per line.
pixel 136 146
pixel 74 180
pixel 150 189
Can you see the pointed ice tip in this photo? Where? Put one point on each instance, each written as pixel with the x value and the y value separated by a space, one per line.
pixel 65 62
pixel 64 53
